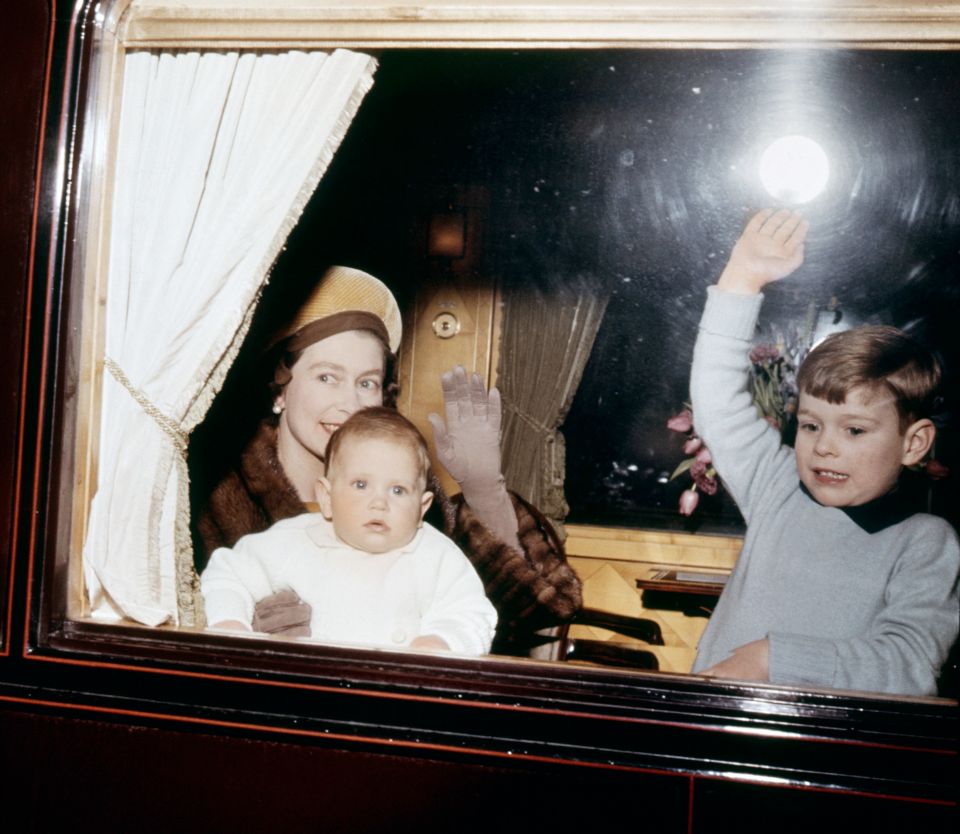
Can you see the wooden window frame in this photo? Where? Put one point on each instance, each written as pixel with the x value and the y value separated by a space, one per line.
pixel 535 710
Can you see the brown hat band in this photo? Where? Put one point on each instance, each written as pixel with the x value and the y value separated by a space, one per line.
pixel 335 323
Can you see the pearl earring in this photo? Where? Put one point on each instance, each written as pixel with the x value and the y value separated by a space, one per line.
pixel 277 408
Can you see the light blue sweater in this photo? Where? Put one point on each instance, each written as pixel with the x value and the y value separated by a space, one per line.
pixel 841 606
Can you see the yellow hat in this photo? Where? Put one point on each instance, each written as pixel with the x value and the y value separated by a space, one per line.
pixel 345 299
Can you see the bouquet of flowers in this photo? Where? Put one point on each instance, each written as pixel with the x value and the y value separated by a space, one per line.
pixel 773 385
pixel 699 464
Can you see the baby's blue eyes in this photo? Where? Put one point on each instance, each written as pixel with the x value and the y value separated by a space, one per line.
pixel 360 484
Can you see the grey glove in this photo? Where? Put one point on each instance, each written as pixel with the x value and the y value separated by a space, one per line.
pixel 283 613
pixel 468 446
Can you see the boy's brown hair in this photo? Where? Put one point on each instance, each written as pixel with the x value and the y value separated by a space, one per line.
pixel 383 424
pixel 877 357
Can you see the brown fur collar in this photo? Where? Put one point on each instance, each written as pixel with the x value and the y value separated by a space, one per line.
pixel 531 588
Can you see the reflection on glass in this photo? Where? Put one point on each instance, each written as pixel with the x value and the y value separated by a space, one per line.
pixel 794 169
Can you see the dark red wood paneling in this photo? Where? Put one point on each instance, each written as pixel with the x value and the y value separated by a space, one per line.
pixel 24 36
pixel 79 775
pixel 721 807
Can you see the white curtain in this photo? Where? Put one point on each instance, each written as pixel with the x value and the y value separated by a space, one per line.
pixel 217 155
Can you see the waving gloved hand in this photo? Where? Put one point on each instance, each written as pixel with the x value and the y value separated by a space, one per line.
pixel 468 446
pixel 468 443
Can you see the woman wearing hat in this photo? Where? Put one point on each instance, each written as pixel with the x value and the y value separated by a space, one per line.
pixel 334 359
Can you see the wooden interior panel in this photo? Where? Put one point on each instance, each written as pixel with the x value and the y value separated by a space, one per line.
pixel 457 293
pixel 609 562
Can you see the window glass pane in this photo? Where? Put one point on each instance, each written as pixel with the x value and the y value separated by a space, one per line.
pixel 634 171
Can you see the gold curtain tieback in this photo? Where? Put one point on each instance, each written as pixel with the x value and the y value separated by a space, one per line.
pixel 530 421
pixel 168 425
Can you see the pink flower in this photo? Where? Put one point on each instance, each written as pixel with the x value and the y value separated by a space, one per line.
pixel 692 445
pixel 764 353
pixel 773 421
pixel 698 469
pixel 936 470
pixel 704 456
pixel 707 484
pixel 681 422
pixel 688 501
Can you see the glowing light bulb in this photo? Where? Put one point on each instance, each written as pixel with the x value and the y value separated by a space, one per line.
pixel 794 169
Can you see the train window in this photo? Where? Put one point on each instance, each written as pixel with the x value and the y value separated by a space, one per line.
pixel 610 179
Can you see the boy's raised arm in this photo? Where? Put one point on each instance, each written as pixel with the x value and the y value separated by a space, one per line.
pixel 770 248
pixel 746 451
pixel 744 447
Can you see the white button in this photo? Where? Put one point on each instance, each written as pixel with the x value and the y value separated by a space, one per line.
pixel 399 636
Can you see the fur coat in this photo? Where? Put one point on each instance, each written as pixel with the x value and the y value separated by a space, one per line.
pixel 531 588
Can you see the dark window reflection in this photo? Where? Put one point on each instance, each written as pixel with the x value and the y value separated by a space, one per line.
pixel 634 171
pixel 680 182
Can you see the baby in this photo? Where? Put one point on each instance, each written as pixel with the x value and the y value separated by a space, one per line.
pixel 371 570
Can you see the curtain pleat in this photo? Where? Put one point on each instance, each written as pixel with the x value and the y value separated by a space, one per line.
pixel 547 337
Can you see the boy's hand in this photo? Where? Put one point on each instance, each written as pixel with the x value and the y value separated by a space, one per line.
pixel 770 248
pixel 750 662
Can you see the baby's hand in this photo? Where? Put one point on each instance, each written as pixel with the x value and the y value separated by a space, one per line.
pixel 229 625
pixel 430 642
pixel 770 248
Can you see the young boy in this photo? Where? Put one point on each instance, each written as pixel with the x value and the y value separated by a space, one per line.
pixel 837 585
pixel 369 567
